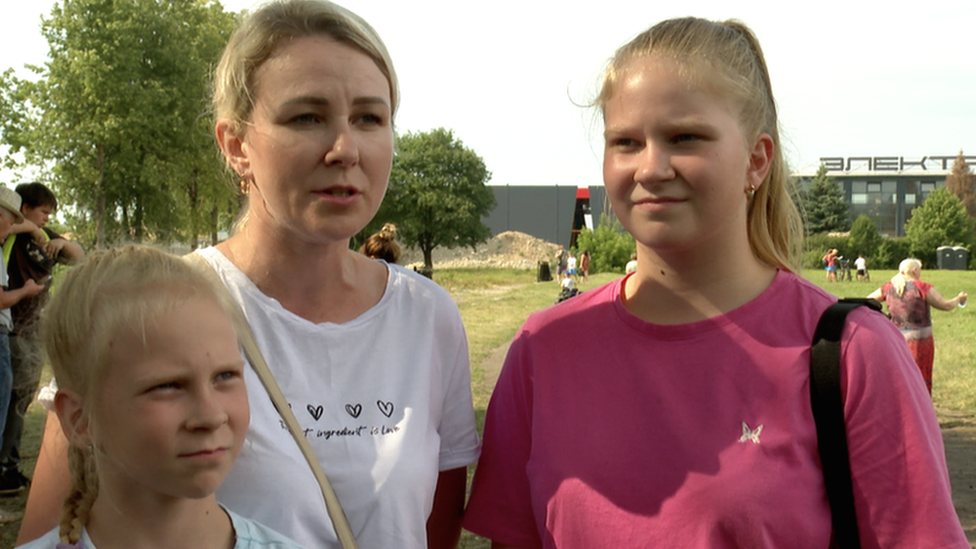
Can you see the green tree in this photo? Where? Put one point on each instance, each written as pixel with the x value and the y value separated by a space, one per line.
pixel 824 205
pixel 891 252
pixel 438 193
pixel 116 116
pixel 864 237
pixel 940 221
pixel 609 244
pixel 962 182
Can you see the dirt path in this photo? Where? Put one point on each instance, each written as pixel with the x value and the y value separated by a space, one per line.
pixel 959 436
pixel 960 445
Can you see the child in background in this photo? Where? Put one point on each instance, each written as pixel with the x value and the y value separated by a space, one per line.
pixel 568 283
pixel 152 401
pixel 861 265
pixel 683 419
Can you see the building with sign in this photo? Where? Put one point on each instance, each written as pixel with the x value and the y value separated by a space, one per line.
pixel 886 188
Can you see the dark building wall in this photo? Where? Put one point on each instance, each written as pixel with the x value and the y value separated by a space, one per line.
pixel 544 212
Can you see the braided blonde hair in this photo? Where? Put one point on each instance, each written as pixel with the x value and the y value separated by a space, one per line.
pixel 112 289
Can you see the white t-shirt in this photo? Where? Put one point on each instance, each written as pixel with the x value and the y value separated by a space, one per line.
pixel 247 533
pixel 860 264
pixel 568 283
pixel 385 401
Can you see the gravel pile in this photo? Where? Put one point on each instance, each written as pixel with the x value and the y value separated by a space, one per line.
pixel 510 249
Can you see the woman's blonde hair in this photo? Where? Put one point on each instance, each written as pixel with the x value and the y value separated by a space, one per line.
pixel 905 268
pixel 264 30
pixel 728 54
pixel 382 245
pixel 124 288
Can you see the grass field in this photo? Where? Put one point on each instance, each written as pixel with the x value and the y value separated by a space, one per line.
pixel 495 302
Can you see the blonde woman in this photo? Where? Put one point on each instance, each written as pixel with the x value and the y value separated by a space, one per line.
pixel 304 98
pixel 910 301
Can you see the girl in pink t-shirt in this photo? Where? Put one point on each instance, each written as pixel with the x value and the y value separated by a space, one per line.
pixel 671 408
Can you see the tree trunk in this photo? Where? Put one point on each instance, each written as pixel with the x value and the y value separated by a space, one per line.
pixel 213 225
pixel 194 196
pixel 100 201
pixel 140 217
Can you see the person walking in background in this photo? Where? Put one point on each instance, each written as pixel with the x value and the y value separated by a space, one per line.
pixel 910 301
pixel 562 260
pixel 33 253
pixel 382 245
pixel 830 264
pixel 861 265
pixel 584 265
pixel 571 266
pixel 683 418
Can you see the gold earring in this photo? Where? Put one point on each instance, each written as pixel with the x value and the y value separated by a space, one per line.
pixel 244 187
pixel 750 192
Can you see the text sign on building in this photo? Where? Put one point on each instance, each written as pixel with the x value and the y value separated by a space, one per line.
pixel 889 163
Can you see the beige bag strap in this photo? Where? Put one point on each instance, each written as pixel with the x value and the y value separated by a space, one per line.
pixel 339 522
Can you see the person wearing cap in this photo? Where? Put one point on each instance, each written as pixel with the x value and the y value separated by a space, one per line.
pixel 10 214
pixel 31 254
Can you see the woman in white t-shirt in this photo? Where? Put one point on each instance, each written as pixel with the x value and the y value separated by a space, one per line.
pixel 372 358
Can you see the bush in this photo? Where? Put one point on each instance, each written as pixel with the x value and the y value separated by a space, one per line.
pixel 816 245
pixel 891 252
pixel 864 237
pixel 610 246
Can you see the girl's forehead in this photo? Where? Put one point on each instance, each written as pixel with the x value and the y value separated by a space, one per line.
pixel 692 73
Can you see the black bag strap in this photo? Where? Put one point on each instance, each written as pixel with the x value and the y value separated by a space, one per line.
pixel 828 414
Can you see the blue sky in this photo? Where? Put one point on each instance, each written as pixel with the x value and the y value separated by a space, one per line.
pixel 851 78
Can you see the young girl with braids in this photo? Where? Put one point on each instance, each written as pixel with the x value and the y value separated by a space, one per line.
pixel 684 419
pixel 152 401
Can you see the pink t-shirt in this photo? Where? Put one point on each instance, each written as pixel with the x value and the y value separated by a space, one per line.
pixel 608 431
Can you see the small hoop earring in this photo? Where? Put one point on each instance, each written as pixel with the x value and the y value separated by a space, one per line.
pixel 750 192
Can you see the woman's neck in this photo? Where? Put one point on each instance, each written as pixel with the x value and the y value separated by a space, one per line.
pixel 159 523
pixel 318 282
